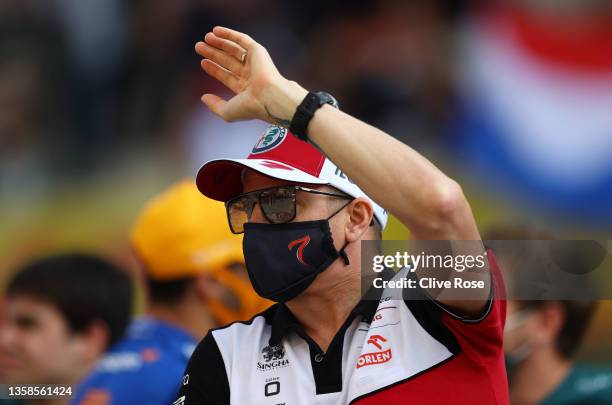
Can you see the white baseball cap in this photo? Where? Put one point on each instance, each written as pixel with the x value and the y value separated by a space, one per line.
pixel 280 155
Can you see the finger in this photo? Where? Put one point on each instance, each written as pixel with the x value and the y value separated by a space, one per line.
pixel 225 45
pixel 214 103
pixel 230 111
pixel 226 77
pixel 240 38
pixel 219 57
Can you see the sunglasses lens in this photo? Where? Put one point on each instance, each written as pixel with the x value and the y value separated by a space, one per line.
pixel 238 212
pixel 278 205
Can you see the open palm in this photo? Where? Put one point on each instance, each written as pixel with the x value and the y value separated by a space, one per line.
pixel 243 66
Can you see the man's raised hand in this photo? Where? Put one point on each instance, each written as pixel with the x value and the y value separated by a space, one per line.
pixel 245 67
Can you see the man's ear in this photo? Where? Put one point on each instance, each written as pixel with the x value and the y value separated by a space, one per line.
pixel 552 319
pixel 93 341
pixel 360 214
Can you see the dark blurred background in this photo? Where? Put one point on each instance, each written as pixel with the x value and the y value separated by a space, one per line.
pixel 100 106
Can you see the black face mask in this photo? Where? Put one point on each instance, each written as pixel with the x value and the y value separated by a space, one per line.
pixel 284 259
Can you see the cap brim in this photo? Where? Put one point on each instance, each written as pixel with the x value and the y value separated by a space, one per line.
pixel 221 179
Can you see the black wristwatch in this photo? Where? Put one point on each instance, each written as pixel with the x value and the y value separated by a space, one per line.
pixel 306 110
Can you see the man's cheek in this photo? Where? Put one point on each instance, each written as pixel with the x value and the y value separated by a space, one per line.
pixel 15 349
pixel 36 348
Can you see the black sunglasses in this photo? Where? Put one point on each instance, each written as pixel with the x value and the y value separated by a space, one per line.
pixel 278 205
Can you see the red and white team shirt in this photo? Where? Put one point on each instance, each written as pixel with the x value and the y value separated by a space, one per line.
pixel 389 351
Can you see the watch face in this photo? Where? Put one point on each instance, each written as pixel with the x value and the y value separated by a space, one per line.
pixel 327 98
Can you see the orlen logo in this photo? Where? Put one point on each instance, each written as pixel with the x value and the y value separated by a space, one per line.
pixel 374 339
pixel 373 358
pixel 302 243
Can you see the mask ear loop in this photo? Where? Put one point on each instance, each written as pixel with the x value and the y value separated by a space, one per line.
pixel 342 252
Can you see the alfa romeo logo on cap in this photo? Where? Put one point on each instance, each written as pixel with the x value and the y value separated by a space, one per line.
pixel 270 139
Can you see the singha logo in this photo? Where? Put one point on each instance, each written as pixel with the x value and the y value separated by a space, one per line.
pixel 273 352
pixel 273 358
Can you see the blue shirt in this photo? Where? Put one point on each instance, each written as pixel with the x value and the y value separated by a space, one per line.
pixel 145 367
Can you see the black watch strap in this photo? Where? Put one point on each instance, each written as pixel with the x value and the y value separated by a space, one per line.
pixel 306 110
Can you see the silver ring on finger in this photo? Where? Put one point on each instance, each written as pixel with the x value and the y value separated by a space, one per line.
pixel 243 58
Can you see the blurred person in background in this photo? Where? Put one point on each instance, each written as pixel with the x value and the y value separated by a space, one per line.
pixel 194 273
pixel 541 340
pixel 61 314
pixel 542 336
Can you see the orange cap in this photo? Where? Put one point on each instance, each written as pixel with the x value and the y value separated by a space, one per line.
pixel 181 234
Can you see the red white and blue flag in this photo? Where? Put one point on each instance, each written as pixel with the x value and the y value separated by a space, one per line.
pixel 536 108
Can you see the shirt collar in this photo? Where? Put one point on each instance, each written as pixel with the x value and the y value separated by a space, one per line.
pixel 283 321
pixel 150 326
